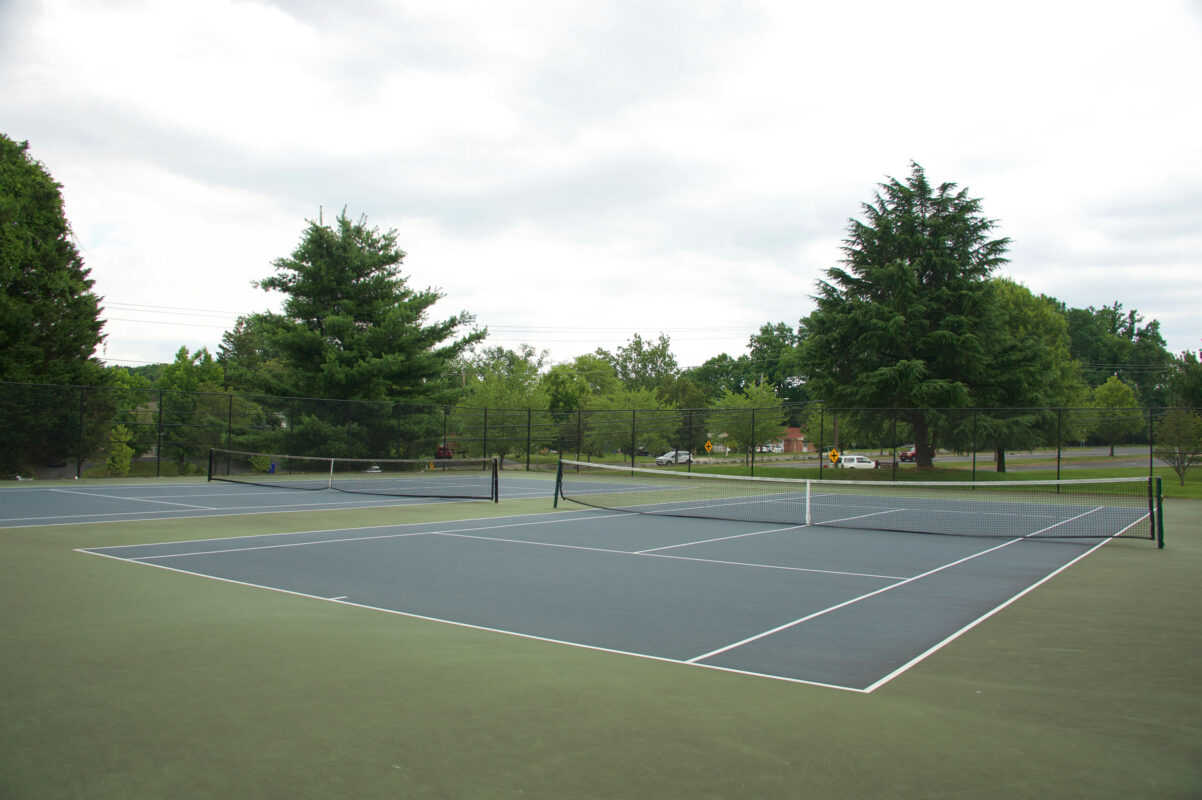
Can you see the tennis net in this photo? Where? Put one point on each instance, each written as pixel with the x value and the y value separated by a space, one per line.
pixel 460 478
pixel 1098 508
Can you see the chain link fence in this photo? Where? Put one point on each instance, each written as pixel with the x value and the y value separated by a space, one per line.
pixel 53 431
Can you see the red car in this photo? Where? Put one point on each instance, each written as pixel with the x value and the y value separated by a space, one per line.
pixel 907 453
pixel 443 452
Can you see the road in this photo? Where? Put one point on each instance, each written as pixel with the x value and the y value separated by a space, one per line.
pixel 1016 461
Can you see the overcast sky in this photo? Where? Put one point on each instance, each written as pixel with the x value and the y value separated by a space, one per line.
pixel 575 172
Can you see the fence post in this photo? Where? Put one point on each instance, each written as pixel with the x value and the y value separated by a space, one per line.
pixel 633 427
pixel 1151 443
pixel 158 450
pixel 229 426
pixel 754 440
pixel 688 441
pixel 974 444
pixel 529 424
pixel 79 445
pixel 821 434
pixel 893 438
pixel 484 445
pixel 579 431
pixel 1059 416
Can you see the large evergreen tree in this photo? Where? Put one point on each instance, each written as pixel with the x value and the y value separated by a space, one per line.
pixel 903 323
pixel 50 321
pixel 49 316
pixel 352 328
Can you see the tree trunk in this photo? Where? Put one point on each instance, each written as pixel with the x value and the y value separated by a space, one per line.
pixel 924 452
pixel 999 456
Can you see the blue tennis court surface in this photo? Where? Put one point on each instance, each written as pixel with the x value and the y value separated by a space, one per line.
pixel 64 504
pixel 850 609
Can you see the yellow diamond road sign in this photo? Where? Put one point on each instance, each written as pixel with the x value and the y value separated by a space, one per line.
pixel 709 446
pixel 834 454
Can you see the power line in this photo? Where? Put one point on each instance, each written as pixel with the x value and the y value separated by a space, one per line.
pixel 164 322
pixel 143 306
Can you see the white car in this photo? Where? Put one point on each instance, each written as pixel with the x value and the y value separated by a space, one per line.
pixel 674 457
pixel 856 462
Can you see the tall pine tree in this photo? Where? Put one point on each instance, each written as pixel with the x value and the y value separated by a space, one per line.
pixel 49 317
pixel 351 327
pixel 904 324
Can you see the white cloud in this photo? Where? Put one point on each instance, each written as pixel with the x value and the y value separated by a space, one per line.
pixel 575 174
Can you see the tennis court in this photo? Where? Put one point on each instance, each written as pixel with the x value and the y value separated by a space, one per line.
pixel 831 606
pixel 433 647
pixel 69 503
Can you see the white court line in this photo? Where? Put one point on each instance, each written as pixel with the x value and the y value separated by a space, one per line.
pixel 860 516
pixel 235 511
pixel 341 539
pixel 649 554
pixel 135 499
pixel 882 590
pixel 317 530
pixel 951 638
pixel 718 539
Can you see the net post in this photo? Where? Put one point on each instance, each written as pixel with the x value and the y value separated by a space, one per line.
pixel 210 464
pixel 330 485
pixel 1159 513
pixel 558 484
pixel 496 480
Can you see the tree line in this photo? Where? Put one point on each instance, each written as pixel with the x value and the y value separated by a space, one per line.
pixel 914 321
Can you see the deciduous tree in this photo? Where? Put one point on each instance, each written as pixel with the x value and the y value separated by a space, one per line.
pixel 1179 440
pixel 1031 372
pixel 749 418
pixel 1116 411
pixel 1112 340
pixel 1185 380
pixel 641 364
